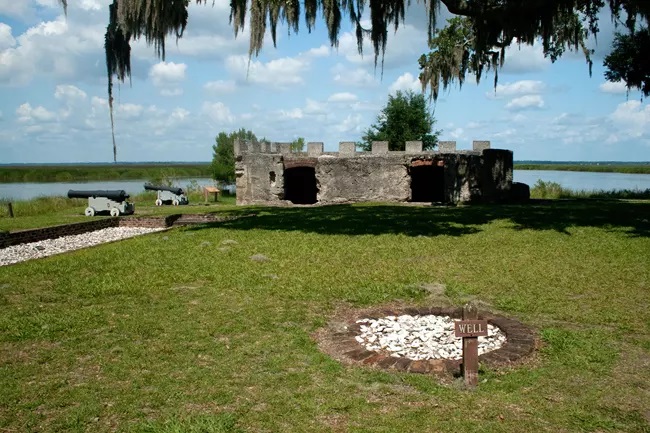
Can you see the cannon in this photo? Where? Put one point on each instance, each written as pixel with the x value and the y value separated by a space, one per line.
pixel 168 194
pixel 111 201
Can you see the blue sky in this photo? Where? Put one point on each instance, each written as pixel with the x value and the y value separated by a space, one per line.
pixel 54 102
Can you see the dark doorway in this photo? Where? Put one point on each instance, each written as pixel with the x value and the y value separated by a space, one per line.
pixel 300 185
pixel 428 182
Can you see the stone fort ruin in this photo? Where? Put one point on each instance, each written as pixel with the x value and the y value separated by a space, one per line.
pixel 271 174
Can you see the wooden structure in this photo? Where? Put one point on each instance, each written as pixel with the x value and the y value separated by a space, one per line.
pixel 207 190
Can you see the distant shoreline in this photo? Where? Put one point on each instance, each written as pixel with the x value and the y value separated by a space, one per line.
pixel 67 172
pixel 594 167
pixel 91 172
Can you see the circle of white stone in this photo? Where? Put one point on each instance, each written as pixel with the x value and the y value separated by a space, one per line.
pixel 421 337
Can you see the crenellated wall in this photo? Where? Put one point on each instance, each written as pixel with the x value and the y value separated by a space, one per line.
pixel 270 173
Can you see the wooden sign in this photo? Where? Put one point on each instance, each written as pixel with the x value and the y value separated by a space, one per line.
pixel 471 328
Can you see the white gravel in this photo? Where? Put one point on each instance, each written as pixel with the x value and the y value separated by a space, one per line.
pixel 421 337
pixel 49 247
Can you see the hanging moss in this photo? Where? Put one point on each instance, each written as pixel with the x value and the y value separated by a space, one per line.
pixel 488 27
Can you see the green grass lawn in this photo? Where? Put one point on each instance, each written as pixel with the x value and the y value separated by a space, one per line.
pixel 181 331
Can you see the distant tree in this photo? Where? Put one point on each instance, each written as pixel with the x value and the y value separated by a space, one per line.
pixel 298 145
pixel 223 154
pixel 406 117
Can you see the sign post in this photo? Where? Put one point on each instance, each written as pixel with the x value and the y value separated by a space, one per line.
pixel 470 328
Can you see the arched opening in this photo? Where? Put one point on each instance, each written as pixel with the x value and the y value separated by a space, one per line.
pixel 427 181
pixel 300 185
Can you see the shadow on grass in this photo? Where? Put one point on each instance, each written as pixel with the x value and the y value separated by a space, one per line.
pixel 374 219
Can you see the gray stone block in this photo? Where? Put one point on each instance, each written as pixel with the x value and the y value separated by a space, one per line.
pixel 447 146
pixel 480 146
pixel 413 146
pixel 284 148
pixel 241 147
pixel 347 148
pixel 314 149
pixel 380 147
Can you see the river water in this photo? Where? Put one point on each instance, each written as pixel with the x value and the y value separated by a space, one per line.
pixel 575 180
pixel 27 191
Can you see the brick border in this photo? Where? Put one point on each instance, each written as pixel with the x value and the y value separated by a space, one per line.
pixel 342 345
pixel 53 232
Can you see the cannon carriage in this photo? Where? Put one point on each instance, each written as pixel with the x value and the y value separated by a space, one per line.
pixel 112 201
pixel 168 194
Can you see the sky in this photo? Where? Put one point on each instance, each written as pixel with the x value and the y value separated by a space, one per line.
pixel 53 105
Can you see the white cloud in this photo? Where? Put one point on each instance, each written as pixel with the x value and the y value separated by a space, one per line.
pixel 456 134
pixel 168 76
pixel 525 58
pixel 91 5
pixel 322 51
pixel 406 81
pixel 176 91
pixel 165 73
pixel 315 107
pixel 39 114
pixel 524 102
pixel 633 118
pixel 220 86
pixel 180 114
pixel 6 38
pixel 342 97
pixel 404 46
pixel 522 87
pixel 69 93
pixel 353 77
pixel 295 113
pixel 129 111
pixel 217 112
pixel 351 124
pixel 278 73
pixel 57 48
pixel 614 87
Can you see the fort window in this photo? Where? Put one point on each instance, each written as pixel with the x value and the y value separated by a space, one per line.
pixel 427 181
pixel 300 185
pixel 272 178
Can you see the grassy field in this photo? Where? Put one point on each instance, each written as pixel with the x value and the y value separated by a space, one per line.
pixel 181 331
pixel 643 168
pixel 79 173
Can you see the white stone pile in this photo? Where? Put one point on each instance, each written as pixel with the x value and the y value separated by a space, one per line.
pixel 421 337
pixel 48 247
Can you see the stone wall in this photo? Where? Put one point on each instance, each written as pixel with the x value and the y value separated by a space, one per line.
pixel 267 172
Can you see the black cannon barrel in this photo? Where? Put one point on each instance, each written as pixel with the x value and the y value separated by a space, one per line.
pixel 115 195
pixel 172 189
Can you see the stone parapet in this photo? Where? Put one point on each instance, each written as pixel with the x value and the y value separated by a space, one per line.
pixel 349 148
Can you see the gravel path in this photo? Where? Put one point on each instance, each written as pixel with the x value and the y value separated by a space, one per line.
pixel 49 247
pixel 421 337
